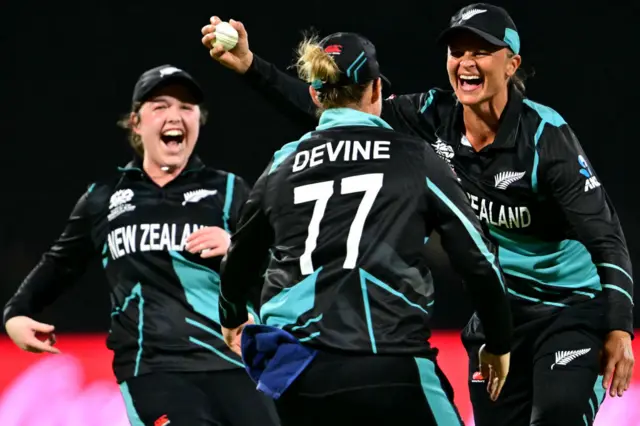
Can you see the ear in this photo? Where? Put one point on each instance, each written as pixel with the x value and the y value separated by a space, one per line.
pixel 314 96
pixel 134 120
pixel 513 64
pixel 376 90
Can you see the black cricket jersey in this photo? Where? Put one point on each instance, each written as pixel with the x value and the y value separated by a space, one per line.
pixel 560 239
pixel 165 299
pixel 345 211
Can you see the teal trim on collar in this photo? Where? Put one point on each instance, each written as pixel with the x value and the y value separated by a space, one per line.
pixel 335 117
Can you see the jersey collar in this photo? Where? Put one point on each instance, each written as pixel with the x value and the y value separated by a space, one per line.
pixel 452 129
pixel 335 117
pixel 135 165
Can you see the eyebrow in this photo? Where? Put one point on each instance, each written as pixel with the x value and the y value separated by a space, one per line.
pixel 166 100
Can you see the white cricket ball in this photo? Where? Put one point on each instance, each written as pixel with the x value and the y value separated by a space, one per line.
pixel 226 36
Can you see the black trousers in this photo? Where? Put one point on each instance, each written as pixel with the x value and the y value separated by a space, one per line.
pixel 554 377
pixel 375 390
pixel 220 398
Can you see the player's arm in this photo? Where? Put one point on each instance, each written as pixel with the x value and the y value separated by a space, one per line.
pixel 58 268
pixel 286 92
pixel 238 194
pixel 564 173
pixel 241 267
pixel 241 192
pixel 471 254
pixel 415 114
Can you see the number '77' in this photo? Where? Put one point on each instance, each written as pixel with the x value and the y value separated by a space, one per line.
pixel 321 192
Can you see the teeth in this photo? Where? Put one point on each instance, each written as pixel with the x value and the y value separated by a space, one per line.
pixel 173 133
pixel 469 77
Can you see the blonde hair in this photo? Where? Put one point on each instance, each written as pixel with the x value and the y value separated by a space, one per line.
pixel 314 64
pixel 126 122
pixel 519 77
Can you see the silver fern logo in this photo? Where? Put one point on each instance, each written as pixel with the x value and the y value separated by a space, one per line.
pixel 504 179
pixel 168 71
pixel 565 357
pixel 197 195
pixel 468 15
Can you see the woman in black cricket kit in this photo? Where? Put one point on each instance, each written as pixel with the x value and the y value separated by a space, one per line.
pixel 347 297
pixel 161 225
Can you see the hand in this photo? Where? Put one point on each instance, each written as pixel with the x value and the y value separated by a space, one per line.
pixel 617 362
pixel 25 334
pixel 494 368
pixel 209 241
pixel 240 57
pixel 233 336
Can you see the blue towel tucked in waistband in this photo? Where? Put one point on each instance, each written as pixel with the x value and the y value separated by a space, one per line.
pixel 273 358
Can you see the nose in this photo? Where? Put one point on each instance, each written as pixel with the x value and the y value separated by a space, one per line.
pixel 173 115
pixel 467 60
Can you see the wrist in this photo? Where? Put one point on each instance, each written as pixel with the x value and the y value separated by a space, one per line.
pixel 619 334
pixel 246 63
pixel 233 316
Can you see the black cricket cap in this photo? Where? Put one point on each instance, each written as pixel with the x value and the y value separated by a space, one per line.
pixel 356 58
pixel 490 22
pixel 164 75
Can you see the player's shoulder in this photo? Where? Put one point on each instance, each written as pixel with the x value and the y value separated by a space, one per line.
pixel 440 98
pixel 548 126
pixel 99 192
pixel 541 114
pixel 286 151
pixel 434 100
pixel 220 179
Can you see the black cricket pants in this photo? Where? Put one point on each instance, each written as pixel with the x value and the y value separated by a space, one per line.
pixel 216 398
pixel 372 390
pixel 554 375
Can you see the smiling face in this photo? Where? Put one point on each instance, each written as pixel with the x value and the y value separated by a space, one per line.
pixel 478 70
pixel 168 124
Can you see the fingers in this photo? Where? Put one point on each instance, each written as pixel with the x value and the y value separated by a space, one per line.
pixel 495 380
pixel 615 382
pixel 208 39
pixel 205 242
pixel 239 27
pixel 608 373
pixel 36 346
pixel 497 385
pixel 202 235
pixel 214 252
pixel 199 233
pixel 46 337
pixel 209 36
pixel 41 327
pixel 217 51
pixel 490 378
pixel 232 337
pixel 485 370
pixel 621 378
pixel 629 374
pixel 213 239
pixel 205 247
pixel 208 29
pixel 491 382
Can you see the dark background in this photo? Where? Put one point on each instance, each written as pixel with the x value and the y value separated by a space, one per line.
pixel 67 70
